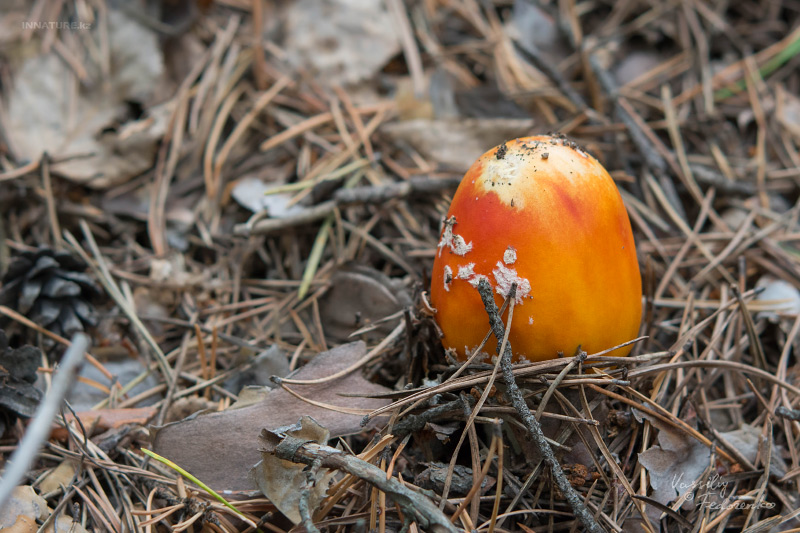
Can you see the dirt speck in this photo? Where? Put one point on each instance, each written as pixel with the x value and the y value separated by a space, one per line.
pixel 502 150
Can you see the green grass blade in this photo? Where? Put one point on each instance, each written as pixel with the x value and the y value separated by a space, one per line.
pixel 315 256
pixel 197 482
pixel 777 61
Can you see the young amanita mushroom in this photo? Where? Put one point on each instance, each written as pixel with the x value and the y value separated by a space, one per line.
pixel 541 213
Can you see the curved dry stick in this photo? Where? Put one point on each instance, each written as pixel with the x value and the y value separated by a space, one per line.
pixel 413 504
pixel 534 428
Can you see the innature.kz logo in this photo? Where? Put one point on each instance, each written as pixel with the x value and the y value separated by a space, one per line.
pixel 38 25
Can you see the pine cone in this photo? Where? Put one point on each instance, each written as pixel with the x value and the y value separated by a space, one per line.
pixel 18 395
pixel 52 289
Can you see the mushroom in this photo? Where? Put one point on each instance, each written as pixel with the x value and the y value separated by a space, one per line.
pixel 541 214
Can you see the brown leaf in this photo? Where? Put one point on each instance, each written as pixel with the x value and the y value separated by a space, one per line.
pixel 23 502
pixel 360 296
pixel 457 142
pixel 58 477
pixel 91 127
pixel 221 448
pixel 674 465
pixel 320 36
pixel 25 510
pixel 283 481
pixel 98 420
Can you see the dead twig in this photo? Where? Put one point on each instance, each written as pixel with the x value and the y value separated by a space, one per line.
pixel 531 424
pixel 305 511
pixel 415 506
pixel 788 414
pixel 356 195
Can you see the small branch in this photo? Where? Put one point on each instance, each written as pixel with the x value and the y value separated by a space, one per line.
pixel 412 423
pixel 305 511
pixel 534 428
pixel 258 225
pixel 718 180
pixel 413 504
pixel 788 414
pixel 357 195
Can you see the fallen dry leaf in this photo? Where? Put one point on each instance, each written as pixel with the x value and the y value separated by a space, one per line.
pixel 677 464
pixel 195 443
pixel 360 296
pixel 60 476
pixel 92 388
pixel 23 524
pixel 341 41
pixel 91 123
pixel 270 362
pixel 747 439
pixel 18 393
pixel 283 481
pixel 674 465
pixel 25 511
pixel 254 194
pixel 23 502
pixel 782 295
pixel 99 420
pixel 457 142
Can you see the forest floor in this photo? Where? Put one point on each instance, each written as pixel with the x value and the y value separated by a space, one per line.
pixel 220 192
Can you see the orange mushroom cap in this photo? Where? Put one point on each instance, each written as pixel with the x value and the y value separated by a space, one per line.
pixel 541 213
